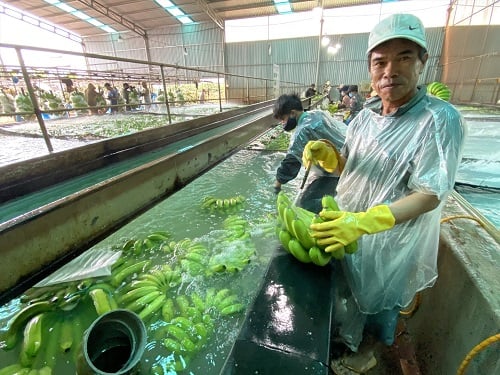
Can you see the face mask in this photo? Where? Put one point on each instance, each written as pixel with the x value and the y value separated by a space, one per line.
pixel 350 95
pixel 291 124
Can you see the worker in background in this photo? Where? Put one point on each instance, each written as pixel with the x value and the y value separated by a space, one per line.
pixel 126 90
pixel 310 92
pixel 306 126
pixel 146 95
pixel 202 96
pixel 112 95
pixel 401 155
pixel 91 98
pixel 355 103
pixel 344 97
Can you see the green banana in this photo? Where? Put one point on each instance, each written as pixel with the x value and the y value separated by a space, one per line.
pixel 66 336
pixel 140 303
pixel 228 301
pixel 352 247
pixel 173 345
pixel 328 202
pixel 19 320
pixel 45 371
pixel 136 293
pixel 232 309
pixel 338 254
pixel 285 237
pixel 11 369
pixel 319 257
pixel 301 233
pixel 159 236
pixel 168 310
pixel 101 301
pixel 33 336
pixel 289 218
pixel 128 245
pixel 298 251
pixel 182 337
pixel 152 307
pixel 120 276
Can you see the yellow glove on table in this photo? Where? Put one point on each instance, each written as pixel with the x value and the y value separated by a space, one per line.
pixel 321 152
pixel 342 228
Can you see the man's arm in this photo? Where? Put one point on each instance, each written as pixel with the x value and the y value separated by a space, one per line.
pixel 413 206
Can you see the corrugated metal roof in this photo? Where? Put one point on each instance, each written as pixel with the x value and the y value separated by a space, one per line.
pixel 140 16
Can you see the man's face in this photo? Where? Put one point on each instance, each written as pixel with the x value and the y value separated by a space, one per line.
pixel 394 70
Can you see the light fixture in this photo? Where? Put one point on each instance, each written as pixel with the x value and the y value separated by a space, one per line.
pixel 81 15
pixel 175 11
pixel 325 41
pixel 332 50
pixel 283 6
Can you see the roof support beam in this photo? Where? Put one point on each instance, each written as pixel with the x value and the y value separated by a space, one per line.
pixel 211 13
pixel 104 10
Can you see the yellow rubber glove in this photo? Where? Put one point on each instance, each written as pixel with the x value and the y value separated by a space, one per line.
pixel 342 228
pixel 321 152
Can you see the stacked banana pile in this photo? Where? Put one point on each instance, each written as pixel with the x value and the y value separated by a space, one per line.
pixel 189 323
pixel 295 235
pixel 52 322
pixel 150 278
pixel 439 90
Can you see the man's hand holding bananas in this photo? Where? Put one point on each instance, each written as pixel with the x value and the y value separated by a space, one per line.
pixel 341 228
pixel 321 152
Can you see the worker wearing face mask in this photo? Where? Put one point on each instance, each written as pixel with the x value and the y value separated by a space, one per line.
pixel 306 126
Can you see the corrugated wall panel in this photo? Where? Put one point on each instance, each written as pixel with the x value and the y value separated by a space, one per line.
pixel 298 58
pixel 470 63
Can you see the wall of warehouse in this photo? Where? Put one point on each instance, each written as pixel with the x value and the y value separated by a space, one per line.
pixel 456 58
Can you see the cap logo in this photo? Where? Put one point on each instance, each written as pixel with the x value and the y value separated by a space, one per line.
pixel 413 27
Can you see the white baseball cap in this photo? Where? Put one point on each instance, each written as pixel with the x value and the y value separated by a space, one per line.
pixel 405 26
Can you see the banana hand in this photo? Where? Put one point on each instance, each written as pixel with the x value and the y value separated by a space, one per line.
pixel 322 153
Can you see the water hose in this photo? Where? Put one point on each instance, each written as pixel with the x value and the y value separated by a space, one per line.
pixel 475 350
pixel 444 220
pixel 409 310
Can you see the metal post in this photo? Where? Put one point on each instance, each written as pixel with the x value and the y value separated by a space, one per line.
pixel 165 94
pixel 319 49
pixel 34 100
pixel 220 94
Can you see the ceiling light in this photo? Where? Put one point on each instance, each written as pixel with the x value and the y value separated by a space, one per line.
pixel 325 41
pixel 175 11
pixel 283 6
pixel 332 50
pixel 81 15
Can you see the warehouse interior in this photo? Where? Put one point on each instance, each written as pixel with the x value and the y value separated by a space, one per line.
pixel 81 180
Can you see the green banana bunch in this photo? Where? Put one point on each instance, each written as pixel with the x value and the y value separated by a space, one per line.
pixel 295 236
pixel 153 241
pixel 294 233
pixel 238 227
pixel 147 293
pixel 439 90
pixel 212 203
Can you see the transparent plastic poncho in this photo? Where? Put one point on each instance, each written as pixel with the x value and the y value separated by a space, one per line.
pixel 417 149
pixel 314 125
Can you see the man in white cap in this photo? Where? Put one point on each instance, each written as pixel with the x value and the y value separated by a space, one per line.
pixel 401 155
